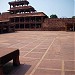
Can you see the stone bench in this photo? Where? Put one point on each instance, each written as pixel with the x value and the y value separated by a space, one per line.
pixel 7 54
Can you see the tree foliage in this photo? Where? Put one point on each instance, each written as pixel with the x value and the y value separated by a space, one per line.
pixel 53 16
pixel 73 16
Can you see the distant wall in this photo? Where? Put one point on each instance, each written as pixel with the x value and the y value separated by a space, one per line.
pixel 58 24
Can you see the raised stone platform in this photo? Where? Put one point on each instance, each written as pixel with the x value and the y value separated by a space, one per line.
pixel 7 54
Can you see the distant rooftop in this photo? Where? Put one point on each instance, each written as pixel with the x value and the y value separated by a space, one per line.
pixel 19 2
pixel 29 14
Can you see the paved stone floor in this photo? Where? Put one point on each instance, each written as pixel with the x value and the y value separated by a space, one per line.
pixel 41 52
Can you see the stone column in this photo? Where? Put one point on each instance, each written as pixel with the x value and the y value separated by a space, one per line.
pixel 16 61
pixel 35 22
pixel 24 25
pixel 1 29
pixel 1 70
pixel 19 23
pixel 10 6
pixel 29 23
pixel 65 27
pixel 73 26
pixel 42 22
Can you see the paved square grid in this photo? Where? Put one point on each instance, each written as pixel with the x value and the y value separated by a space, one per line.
pixel 41 52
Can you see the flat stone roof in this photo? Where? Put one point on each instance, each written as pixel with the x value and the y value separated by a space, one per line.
pixel 37 14
pixel 41 52
pixel 5 51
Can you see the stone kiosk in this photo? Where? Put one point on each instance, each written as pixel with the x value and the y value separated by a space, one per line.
pixel 7 54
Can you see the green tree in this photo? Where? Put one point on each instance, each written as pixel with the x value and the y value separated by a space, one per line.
pixel 53 16
pixel 73 16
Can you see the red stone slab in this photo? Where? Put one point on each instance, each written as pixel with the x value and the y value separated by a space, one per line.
pixel 69 72
pixel 39 50
pixel 69 65
pixel 51 64
pixel 5 51
pixel 35 55
pixel 47 72
pixel 53 54
pixel 22 53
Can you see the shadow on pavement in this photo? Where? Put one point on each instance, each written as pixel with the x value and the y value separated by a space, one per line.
pixel 9 69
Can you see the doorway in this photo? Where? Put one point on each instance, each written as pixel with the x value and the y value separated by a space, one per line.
pixel 70 27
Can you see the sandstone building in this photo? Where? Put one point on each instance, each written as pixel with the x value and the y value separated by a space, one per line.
pixel 59 24
pixel 22 16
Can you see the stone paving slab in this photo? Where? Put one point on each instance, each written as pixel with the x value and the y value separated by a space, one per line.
pixel 47 72
pixel 41 52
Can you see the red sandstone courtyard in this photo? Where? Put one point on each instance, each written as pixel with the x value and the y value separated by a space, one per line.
pixel 41 52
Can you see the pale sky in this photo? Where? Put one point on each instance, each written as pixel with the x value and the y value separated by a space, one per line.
pixel 62 8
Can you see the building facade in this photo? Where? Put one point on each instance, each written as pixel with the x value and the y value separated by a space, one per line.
pixel 59 24
pixel 5 23
pixel 22 16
